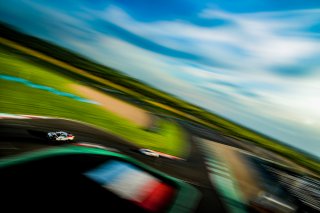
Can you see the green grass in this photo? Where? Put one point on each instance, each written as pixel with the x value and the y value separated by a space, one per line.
pixel 18 98
pixel 15 65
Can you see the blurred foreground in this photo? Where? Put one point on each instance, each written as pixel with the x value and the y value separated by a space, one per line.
pixel 221 177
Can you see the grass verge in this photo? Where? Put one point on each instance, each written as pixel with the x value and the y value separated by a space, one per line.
pixel 22 99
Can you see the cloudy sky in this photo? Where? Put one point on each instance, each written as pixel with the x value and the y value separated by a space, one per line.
pixel 256 62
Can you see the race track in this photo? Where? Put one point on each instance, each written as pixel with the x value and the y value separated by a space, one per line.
pixel 23 135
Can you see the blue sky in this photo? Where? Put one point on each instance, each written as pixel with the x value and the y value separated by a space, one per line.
pixel 253 61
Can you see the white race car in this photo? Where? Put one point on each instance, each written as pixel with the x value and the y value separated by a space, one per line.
pixel 149 152
pixel 60 136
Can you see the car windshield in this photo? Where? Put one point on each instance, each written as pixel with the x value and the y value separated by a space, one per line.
pixel 61 134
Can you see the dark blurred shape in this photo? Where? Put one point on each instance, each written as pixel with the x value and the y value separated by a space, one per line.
pixel 94 145
pixel 39 134
pixel 269 203
pixel 286 190
pixel 89 179
pixel 305 189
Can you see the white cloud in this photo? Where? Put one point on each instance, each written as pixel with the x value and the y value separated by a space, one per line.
pixel 258 37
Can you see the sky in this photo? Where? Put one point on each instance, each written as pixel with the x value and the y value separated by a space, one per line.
pixel 255 62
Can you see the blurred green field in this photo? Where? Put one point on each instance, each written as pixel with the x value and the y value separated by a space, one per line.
pixel 22 99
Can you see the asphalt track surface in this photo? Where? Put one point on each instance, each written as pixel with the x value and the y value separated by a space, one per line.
pixel 23 135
